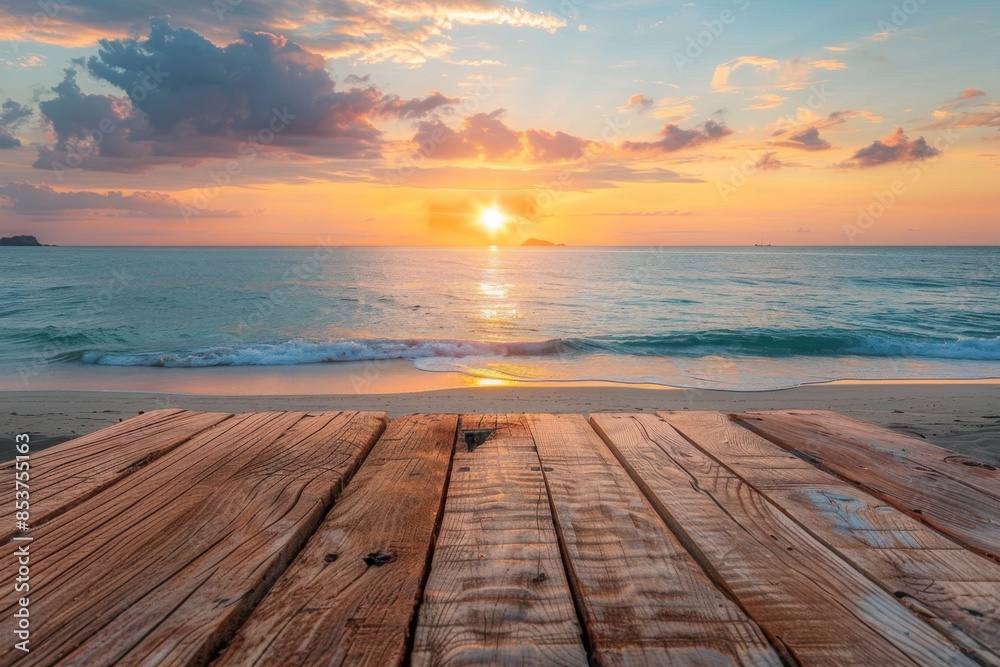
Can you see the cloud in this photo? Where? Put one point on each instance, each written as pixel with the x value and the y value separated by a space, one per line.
pixel 640 214
pixel 674 138
pixel 984 115
pixel 407 33
pixel 638 103
pixel 674 109
pixel 485 136
pixel 768 162
pixel 576 177
pixel 767 101
pixel 12 116
pixel 894 147
pixel 475 63
pixel 806 119
pixel 417 107
pixel 720 80
pixel 979 114
pixel 544 146
pixel 91 128
pixel 989 116
pixel 807 140
pixel 186 98
pixel 29 199
pixel 794 74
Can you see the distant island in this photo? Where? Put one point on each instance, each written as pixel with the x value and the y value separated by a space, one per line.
pixel 541 242
pixel 24 240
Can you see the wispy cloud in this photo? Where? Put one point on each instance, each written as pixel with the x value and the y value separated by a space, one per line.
pixel 767 101
pixel 409 33
pixel 42 200
pixel 638 103
pixel 789 75
pixel 475 63
pixel 966 110
pixel 768 162
pixel 674 109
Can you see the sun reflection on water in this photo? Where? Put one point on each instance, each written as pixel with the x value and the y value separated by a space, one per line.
pixel 497 310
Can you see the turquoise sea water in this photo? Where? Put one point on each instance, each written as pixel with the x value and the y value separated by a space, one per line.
pixel 723 318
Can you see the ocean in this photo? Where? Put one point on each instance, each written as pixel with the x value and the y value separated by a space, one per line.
pixel 714 318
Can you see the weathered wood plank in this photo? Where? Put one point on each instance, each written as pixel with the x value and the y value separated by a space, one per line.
pixel 930 491
pixel 72 471
pixel 497 593
pixel 331 607
pixel 804 596
pixel 161 567
pixel 644 599
pixel 916 452
pixel 956 590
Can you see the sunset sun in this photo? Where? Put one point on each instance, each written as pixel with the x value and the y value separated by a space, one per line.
pixel 493 219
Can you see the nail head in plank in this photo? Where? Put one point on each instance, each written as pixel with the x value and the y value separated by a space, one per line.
pixel 164 565
pixel 643 597
pixel 497 592
pixel 350 595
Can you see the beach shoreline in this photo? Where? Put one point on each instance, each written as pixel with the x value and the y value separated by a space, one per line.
pixel 959 415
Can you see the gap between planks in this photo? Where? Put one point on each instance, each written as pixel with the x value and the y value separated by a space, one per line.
pixel 807 599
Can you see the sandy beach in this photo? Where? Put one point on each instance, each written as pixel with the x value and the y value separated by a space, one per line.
pixel 961 416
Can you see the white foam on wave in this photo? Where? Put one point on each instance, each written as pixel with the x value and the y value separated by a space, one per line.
pixel 310 352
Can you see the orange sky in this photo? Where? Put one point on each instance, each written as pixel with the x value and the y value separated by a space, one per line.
pixel 593 125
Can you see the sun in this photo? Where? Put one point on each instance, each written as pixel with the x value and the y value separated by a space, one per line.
pixel 493 219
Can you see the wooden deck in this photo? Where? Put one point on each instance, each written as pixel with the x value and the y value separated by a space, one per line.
pixel 678 538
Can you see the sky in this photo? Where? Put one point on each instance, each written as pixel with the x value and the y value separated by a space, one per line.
pixel 471 122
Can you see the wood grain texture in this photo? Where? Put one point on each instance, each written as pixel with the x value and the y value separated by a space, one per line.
pixel 497 593
pixel 330 607
pixel 951 587
pixel 162 567
pixel 644 599
pixel 72 471
pixel 804 596
pixel 912 476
